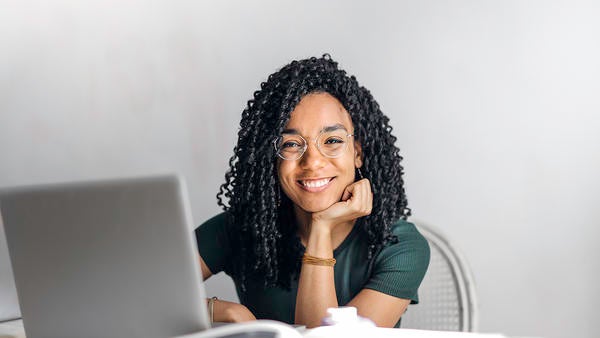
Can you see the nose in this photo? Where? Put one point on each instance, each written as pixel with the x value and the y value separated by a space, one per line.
pixel 312 158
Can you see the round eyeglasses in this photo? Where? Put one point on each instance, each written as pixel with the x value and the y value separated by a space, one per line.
pixel 331 144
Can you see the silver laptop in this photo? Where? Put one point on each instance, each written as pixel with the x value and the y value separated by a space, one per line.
pixel 105 259
pixel 9 305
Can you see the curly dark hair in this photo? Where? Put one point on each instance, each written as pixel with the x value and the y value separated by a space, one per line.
pixel 267 244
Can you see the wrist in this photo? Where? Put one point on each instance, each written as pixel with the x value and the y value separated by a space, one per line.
pixel 319 242
pixel 312 260
pixel 320 227
pixel 211 308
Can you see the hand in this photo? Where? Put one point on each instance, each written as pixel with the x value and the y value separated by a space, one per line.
pixel 231 312
pixel 357 201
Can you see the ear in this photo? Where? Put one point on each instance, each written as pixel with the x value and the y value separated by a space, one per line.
pixel 358 162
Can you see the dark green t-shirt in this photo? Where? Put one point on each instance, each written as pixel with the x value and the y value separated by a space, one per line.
pixel 396 270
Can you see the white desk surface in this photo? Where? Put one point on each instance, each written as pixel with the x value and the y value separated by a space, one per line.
pixel 14 329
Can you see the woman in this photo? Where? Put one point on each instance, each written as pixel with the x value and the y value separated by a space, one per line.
pixel 316 212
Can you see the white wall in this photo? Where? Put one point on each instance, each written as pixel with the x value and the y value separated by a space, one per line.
pixel 495 105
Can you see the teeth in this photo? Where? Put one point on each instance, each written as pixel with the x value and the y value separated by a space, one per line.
pixel 315 184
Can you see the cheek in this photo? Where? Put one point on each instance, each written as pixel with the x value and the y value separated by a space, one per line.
pixel 347 168
pixel 283 175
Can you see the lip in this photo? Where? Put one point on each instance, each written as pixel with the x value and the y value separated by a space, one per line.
pixel 315 189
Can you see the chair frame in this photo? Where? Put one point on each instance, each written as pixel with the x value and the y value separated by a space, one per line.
pixel 467 295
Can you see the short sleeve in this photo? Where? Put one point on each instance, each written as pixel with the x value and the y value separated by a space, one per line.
pixel 399 268
pixel 213 242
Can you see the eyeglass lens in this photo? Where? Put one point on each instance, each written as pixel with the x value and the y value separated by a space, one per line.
pixel 330 144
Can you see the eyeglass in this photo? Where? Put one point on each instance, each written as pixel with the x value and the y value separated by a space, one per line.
pixel 331 144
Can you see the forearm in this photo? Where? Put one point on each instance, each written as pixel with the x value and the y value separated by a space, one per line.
pixel 316 287
pixel 224 311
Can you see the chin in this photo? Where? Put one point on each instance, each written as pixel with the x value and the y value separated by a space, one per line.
pixel 313 210
pixel 315 207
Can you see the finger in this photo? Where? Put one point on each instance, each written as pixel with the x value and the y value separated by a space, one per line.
pixel 366 197
pixel 348 192
pixel 358 197
pixel 369 200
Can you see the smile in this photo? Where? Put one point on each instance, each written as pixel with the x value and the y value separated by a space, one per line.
pixel 315 185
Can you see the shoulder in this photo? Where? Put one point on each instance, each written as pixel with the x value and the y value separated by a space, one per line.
pixel 218 224
pixel 407 231
pixel 411 250
pixel 399 267
pixel 219 220
pixel 214 242
pixel 215 229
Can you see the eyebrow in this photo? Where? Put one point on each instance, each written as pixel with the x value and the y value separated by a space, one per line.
pixel 326 129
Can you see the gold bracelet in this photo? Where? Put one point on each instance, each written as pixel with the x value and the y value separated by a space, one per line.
pixel 211 308
pixel 308 259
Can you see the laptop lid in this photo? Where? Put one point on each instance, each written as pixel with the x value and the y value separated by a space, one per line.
pixel 9 305
pixel 111 258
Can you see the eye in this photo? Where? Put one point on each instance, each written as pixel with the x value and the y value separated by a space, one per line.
pixel 334 140
pixel 290 144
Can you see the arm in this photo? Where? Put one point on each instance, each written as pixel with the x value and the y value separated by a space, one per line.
pixel 398 271
pixel 206 273
pixel 316 287
pixel 383 309
pixel 226 311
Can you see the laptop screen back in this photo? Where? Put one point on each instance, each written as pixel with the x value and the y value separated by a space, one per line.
pixel 9 305
pixel 105 259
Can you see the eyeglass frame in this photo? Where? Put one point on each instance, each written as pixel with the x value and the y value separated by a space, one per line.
pixel 277 152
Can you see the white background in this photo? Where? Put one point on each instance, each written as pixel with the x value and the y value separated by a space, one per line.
pixel 495 104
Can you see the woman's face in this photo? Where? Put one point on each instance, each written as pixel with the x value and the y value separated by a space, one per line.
pixel 314 182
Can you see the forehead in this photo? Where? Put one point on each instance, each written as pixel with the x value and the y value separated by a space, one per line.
pixel 316 111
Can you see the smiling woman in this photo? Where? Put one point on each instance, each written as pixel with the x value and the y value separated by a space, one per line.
pixel 316 212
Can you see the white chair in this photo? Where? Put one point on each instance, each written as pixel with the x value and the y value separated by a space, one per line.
pixel 447 299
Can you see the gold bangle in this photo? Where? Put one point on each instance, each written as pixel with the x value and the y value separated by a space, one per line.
pixel 211 308
pixel 308 259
